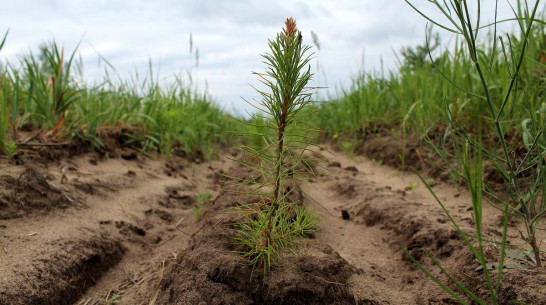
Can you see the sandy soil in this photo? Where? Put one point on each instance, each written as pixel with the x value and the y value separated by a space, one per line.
pixel 90 230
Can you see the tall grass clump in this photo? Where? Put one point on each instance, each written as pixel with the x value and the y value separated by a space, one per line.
pixel 50 88
pixel 169 116
pixel 482 130
pixel 11 97
pixel 274 225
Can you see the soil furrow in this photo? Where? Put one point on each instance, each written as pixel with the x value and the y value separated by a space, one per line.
pixel 127 232
pixel 52 256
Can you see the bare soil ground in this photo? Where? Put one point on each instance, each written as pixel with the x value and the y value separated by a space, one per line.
pixel 94 230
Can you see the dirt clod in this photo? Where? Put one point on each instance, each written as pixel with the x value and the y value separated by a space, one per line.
pixel 27 193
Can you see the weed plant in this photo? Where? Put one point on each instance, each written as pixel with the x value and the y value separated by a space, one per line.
pixel 203 200
pixel 277 222
pixel 493 110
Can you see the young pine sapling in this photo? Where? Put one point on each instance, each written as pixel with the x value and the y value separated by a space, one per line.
pixel 275 224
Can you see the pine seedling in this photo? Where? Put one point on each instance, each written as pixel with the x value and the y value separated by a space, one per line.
pixel 277 222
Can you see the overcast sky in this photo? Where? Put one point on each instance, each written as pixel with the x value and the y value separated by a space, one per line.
pixel 230 36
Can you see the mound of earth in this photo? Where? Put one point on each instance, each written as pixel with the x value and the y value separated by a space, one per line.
pixel 410 154
pixel 60 271
pixel 211 272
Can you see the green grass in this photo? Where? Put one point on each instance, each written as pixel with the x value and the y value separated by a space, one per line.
pixel 413 97
pixel 41 91
pixel 203 201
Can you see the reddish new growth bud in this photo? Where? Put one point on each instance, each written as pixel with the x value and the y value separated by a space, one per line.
pixel 290 29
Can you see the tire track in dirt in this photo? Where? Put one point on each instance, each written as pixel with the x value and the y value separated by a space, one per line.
pixel 368 211
pixel 169 209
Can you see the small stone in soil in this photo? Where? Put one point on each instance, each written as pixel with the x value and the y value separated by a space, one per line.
pixel 351 169
pixel 129 155
pixel 334 164
pixel 409 279
pixel 345 215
